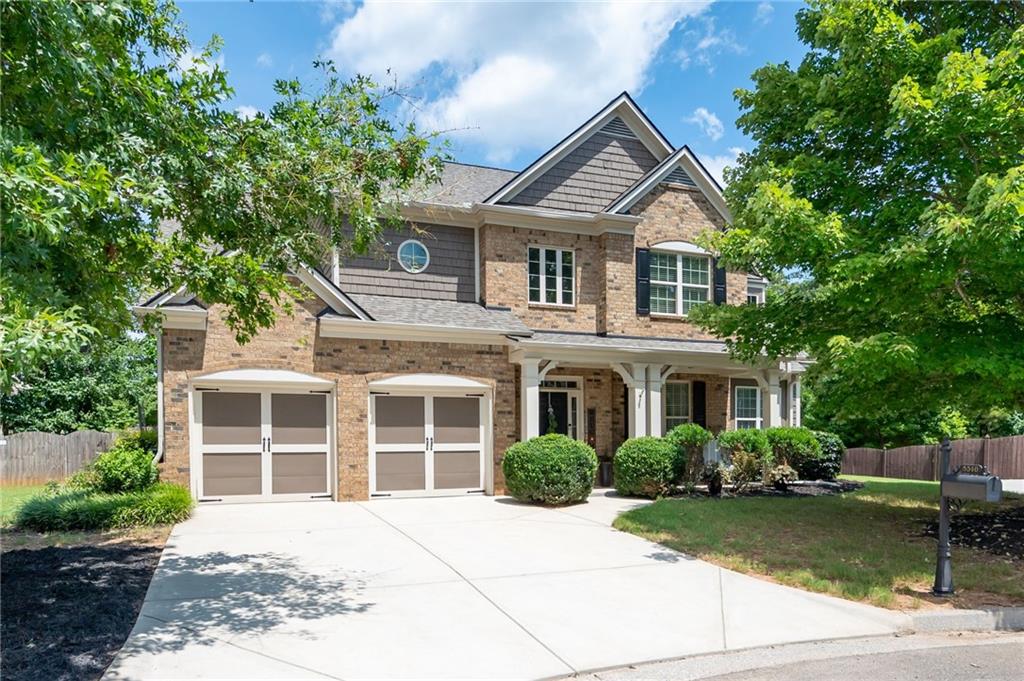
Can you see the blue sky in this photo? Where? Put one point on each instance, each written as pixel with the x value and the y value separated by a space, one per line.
pixel 508 80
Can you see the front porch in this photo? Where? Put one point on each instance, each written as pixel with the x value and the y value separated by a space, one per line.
pixel 603 390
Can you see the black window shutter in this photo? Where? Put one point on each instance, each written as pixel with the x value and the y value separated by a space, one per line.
pixel 643 282
pixel 719 282
pixel 700 403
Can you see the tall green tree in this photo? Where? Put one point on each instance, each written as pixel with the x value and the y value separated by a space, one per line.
pixel 113 129
pixel 885 195
pixel 107 385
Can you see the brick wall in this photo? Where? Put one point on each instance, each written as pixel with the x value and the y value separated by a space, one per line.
pixel 605 268
pixel 293 344
pixel 503 256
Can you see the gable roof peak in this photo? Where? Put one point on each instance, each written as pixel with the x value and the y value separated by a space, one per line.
pixel 622 107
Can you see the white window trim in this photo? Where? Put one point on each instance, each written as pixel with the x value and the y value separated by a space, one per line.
pixel 544 277
pixel 758 294
pixel 678 283
pixel 735 395
pixel 398 256
pixel 689 404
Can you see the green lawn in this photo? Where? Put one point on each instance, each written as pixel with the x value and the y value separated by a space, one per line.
pixel 863 545
pixel 11 498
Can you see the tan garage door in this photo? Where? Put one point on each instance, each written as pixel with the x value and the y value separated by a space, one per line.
pixel 263 445
pixel 426 445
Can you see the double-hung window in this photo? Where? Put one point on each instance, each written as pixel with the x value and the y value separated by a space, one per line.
pixel 748 406
pixel 677 404
pixel 551 276
pixel 679 282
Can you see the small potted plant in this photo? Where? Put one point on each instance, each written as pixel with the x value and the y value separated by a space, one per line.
pixel 715 475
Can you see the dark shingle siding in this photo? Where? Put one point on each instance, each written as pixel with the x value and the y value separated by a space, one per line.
pixel 449 276
pixel 591 176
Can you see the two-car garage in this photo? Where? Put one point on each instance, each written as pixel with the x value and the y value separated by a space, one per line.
pixel 269 435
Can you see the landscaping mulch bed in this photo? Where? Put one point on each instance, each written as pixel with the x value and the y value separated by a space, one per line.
pixel 67 610
pixel 1000 533
pixel 802 488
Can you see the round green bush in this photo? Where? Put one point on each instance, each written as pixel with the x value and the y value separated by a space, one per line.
pixel 646 467
pixel 689 440
pixel 125 467
pixel 827 465
pixel 550 469
pixel 794 447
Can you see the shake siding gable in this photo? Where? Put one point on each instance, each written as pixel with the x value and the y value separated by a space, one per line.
pixel 591 176
pixel 449 276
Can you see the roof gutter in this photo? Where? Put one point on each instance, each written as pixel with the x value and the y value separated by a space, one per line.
pixel 478 214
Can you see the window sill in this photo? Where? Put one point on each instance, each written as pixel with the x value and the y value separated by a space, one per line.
pixel 550 306
pixel 665 315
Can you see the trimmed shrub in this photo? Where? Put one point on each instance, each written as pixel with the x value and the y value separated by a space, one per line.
pixel 793 447
pixel 827 465
pixel 162 503
pixel 646 467
pixel 125 467
pixel 750 454
pixel 689 439
pixel 550 469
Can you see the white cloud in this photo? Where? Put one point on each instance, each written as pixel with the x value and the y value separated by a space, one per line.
pixel 709 123
pixel 265 60
pixel 247 112
pixel 763 13
pixel 509 76
pixel 718 163
pixel 194 60
pixel 704 47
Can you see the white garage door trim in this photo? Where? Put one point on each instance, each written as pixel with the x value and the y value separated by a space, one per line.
pixel 267 383
pixel 429 387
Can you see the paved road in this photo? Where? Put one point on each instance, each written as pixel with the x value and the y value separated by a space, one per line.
pixel 468 587
pixel 924 657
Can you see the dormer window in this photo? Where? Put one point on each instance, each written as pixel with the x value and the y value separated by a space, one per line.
pixel 755 291
pixel 413 256
pixel 551 276
pixel 679 281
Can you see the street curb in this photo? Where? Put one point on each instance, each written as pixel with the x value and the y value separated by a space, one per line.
pixel 988 619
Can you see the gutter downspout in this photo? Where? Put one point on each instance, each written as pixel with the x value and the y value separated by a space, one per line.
pixel 159 456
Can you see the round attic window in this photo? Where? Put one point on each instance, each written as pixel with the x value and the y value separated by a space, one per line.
pixel 413 256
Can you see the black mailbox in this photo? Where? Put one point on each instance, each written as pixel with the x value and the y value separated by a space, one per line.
pixel 977 485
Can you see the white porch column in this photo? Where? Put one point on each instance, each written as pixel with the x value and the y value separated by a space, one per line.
pixel 655 412
pixel 638 400
pixel 771 400
pixel 795 390
pixel 529 398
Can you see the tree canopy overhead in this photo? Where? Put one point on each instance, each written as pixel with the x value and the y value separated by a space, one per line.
pixel 112 127
pixel 885 194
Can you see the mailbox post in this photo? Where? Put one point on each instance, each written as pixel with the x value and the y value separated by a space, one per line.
pixel 969 481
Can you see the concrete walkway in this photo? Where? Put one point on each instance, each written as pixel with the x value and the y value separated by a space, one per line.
pixel 471 587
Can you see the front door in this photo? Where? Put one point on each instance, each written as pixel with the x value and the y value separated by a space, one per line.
pixel 424 445
pixel 560 407
pixel 262 445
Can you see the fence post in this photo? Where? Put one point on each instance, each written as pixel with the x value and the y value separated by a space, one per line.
pixel 885 463
pixel 984 451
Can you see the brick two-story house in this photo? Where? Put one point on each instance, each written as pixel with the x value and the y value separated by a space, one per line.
pixel 513 304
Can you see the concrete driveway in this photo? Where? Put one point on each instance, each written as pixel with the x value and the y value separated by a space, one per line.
pixel 472 587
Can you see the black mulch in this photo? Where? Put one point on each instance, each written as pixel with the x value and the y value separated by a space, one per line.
pixel 1000 533
pixel 67 611
pixel 808 488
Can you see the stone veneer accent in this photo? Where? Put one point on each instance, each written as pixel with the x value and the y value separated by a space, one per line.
pixel 292 343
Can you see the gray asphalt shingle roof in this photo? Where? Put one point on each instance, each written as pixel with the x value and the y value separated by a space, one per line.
pixel 463 185
pixel 623 342
pixel 439 313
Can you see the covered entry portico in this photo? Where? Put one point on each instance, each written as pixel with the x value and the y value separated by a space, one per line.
pixel 646 366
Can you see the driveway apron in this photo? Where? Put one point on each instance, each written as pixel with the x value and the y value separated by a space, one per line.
pixel 453 588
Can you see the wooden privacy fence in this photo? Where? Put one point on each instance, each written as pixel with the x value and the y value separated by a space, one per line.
pixel 1004 456
pixel 33 457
